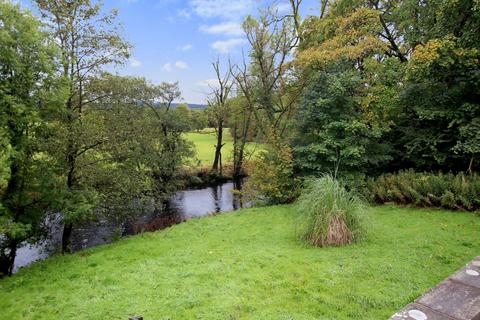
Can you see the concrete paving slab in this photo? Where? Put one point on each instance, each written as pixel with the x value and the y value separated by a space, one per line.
pixel 456 298
pixel 416 311
pixel 470 275
pixel 453 298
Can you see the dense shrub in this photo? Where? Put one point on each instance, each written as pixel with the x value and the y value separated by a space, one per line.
pixel 459 192
pixel 328 214
pixel 271 179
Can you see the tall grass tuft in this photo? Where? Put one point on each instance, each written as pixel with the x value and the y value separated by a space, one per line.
pixel 328 214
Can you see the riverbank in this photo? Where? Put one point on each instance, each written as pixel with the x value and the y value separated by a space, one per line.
pixel 200 192
pixel 182 206
pixel 246 265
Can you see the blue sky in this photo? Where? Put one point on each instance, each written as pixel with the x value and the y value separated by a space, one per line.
pixel 176 40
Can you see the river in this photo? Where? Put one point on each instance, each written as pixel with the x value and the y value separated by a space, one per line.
pixel 183 205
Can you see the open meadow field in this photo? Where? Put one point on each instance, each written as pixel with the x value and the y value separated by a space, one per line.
pixel 205 141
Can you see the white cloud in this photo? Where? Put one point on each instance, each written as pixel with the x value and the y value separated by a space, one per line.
pixel 222 8
pixel 186 47
pixel 182 65
pixel 227 28
pixel 184 13
pixel 162 3
pixel 283 8
pixel 135 63
pixel 179 65
pixel 227 45
pixel 208 83
pixel 167 67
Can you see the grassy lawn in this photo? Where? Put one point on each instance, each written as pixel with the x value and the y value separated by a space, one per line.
pixel 248 265
pixel 205 146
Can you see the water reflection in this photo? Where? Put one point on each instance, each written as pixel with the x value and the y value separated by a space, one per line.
pixel 237 202
pixel 182 206
pixel 196 203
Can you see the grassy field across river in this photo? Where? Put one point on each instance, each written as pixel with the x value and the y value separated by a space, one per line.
pixel 205 141
pixel 248 265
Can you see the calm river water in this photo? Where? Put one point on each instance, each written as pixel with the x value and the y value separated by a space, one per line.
pixel 182 206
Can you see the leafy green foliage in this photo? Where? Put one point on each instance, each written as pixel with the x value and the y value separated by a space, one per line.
pixel 351 37
pixel 77 141
pixel 199 120
pixel 143 143
pixel 242 129
pixel 403 78
pixel 345 110
pixel 266 83
pixel 28 94
pixel 335 133
pixel 328 214
pixel 272 180
pixel 458 192
pixel 88 40
pixel 441 110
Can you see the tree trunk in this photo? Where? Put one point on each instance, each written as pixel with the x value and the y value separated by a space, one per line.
pixel 235 148
pixel 470 166
pixel 237 196
pixel 15 188
pixel 221 164
pixel 239 150
pixel 67 228
pixel 67 237
pixel 238 163
pixel 7 260
pixel 238 170
pixel 218 148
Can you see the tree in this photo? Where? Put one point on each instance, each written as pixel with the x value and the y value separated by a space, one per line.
pixel 168 93
pixel 218 109
pixel 273 180
pixel 344 111
pixel 267 83
pixel 270 89
pixel 434 126
pixel 419 79
pixel 174 124
pixel 335 134
pixel 240 123
pixel 439 122
pixel 88 40
pixel 145 145
pixel 199 119
pixel 184 110
pixel 29 95
pixel 336 37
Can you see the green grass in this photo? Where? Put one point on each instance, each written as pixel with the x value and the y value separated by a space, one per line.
pixel 205 141
pixel 248 265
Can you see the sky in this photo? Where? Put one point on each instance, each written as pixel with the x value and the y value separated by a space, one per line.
pixel 177 40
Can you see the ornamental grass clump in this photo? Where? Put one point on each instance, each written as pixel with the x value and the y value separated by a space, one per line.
pixel 328 214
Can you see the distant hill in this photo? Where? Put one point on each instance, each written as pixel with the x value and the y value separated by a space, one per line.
pixel 192 105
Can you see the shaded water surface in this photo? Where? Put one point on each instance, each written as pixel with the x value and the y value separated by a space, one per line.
pixel 182 206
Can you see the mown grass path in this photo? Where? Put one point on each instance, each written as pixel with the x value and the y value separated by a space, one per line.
pixel 248 265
